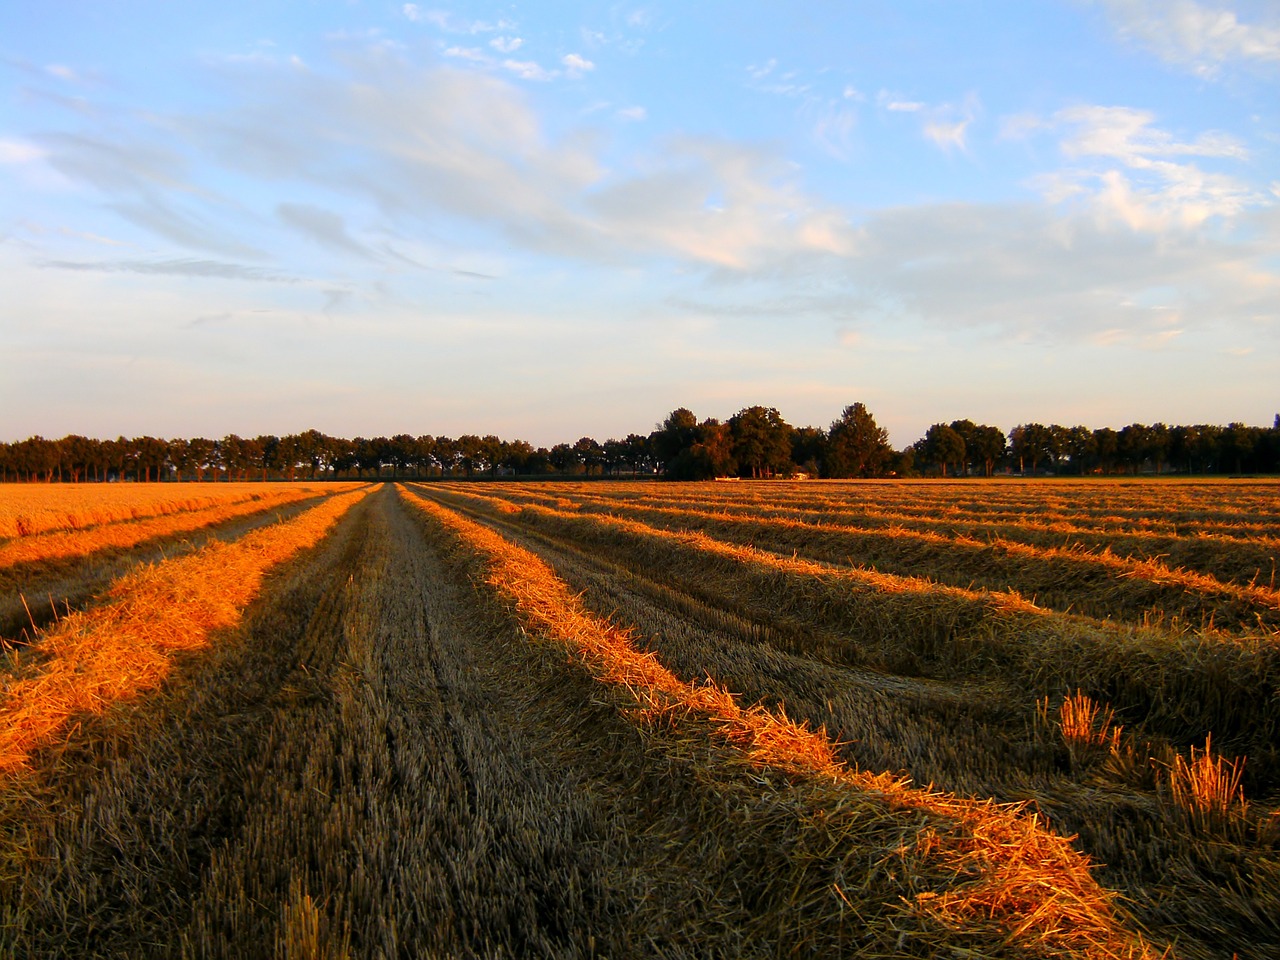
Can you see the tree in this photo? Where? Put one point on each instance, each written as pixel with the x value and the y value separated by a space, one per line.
pixel 674 436
pixel 856 445
pixel 760 442
pixel 986 445
pixel 1029 444
pixel 809 449
pixel 943 446
pixel 591 454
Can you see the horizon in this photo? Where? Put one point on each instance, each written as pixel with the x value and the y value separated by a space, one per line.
pixel 544 225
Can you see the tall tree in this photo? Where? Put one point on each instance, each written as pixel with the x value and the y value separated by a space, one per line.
pixel 856 445
pixel 760 442
pixel 942 446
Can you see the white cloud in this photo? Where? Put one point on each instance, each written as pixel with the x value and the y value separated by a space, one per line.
pixel 947 126
pixel 889 101
pixel 62 72
pixel 447 22
pixel 633 113
pixel 1130 135
pixel 1201 36
pixel 947 136
pixel 833 130
pixel 506 44
pixel 1061 275
pixel 467 53
pixel 528 70
pixel 19 151
pixel 763 70
pixel 576 65
pixel 1147 190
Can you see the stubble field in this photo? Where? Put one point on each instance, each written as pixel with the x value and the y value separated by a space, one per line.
pixel 997 719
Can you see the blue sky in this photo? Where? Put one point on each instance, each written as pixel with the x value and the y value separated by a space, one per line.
pixel 553 220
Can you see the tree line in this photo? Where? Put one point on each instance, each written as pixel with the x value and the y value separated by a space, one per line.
pixel 755 443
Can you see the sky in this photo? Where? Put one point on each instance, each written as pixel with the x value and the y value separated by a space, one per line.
pixel 551 220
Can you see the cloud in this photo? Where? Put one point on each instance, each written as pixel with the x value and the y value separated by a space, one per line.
pixel 1028 271
pixel 19 151
pixel 506 44
pixel 1127 173
pixel 211 269
pixel 576 65
pixel 833 131
pixel 62 72
pixel 634 114
pixel 1199 36
pixel 323 227
pixel 947 136
pixel 528 70
pixel 183 227
pixel 896 104
pixel 467 53
pixel 947 126
pixel 447 22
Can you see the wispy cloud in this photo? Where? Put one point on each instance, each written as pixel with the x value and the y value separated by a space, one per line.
pixel 19 151
pixel 575 65
pixel 449 23
pixel 1137 172
pixel 833 130
pixel 506 44
pixel 321 226
pixel 1203 37
pixel 634 114
pixel 897 104
pixel 528 70
pixel 209 269
pixel 468 53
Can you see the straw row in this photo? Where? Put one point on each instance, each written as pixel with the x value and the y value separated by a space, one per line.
pixel 1096 584
pixel 1246 556
pixel 111 652
pixel 44 547
pixel 972 735
pixel 30 509
pixel 1180 684
pixel 1013 880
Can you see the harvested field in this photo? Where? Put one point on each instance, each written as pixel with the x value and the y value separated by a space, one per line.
pixel 29 509
pixel 637 720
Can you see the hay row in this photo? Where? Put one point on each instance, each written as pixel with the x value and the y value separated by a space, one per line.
pixel 1211 883
pixel 44 547
pixel 1182 685
pixel 1101 585
pixel 124 646
pixel 1127 509
pixel 1256 541
pixel 1014 881
pixel 30 509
